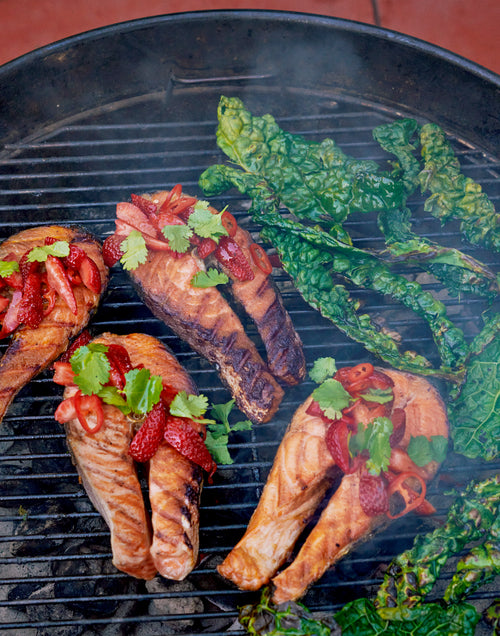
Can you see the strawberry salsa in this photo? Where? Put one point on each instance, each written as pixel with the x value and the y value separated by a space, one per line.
pixel 103 374
pixel 179 224
pixel 29 287
pixel 392 480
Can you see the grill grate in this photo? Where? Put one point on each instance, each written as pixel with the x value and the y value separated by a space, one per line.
pixel 56 575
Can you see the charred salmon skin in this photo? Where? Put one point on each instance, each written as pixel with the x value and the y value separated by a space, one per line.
pixel 48 303
pixel 167 282
pixel 142 546
pixel 358 505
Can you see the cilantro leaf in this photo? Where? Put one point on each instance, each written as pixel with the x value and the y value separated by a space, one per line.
pixel 422 450
pixel 142 390
pixel 218 432
pixel 332 398
pixel 111 395
pixel 134 250
pixel 380 396
pixel 40 253
pixel 206 224
pixel 8 267
pixel 210 278
pixel 187 405
pixel 322 369
pixel 374 437
pixel 178 237
pixel 217 447
pixel 91 367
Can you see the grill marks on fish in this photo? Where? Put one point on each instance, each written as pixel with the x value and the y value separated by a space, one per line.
pixel 32 350
pixel 204 319
pixel 263 303
pixel 289 499
pixel 167 543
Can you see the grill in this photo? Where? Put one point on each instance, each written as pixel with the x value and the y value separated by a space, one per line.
pixel 82 133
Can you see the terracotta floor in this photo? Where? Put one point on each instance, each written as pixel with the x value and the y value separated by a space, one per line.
pixel 467 27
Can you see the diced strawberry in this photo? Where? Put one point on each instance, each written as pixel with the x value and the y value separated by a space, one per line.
pixel 74 258
pixel 337 438
pixel 111 250
pixel 206 247
pixel 398 418
pixel 66 411
pixel 167 218
pixel 133 216
pixel 148 438
pixel 120 364
pixel 373 495
pixel 180 434
pixel 82 339
pixel 15 280
pixel 57 279
pixel 145 205
pixel 11 317
pixel 230 255
pixel 30 310
pixel 4 303
pixel 168 393
pixel 90 275
pixel 63 373
pixel 314 409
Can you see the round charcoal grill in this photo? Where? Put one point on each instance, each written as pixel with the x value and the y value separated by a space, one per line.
pixel 132 108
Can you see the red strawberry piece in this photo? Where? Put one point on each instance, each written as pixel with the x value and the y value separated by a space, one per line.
pixel 206 247
pixel 314 409
pixel 398 418
pixel 148 438
pixel 337 438
pixel 373 495
pixel 111 250
pixel 230 255
pixel 168 393
pixel 81 340
pixel 74 258
pixel 120 364
pixel 90 275
pixel 57 279
pixel 30 310
pixel 63 373
pixel 180 434
pixel 148 207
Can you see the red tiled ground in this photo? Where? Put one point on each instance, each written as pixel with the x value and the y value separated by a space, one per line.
pixel 463 26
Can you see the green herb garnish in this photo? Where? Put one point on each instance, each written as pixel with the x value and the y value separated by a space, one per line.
pixel 178 237
pixel 211 278
pixel 332 398
pixel 135 251
pixel 205 224
pixel 7 268
pixel 422 450
pixel 91 367
pixel 375 438
pixel 322 369
pixel 40 253
pixel 218 432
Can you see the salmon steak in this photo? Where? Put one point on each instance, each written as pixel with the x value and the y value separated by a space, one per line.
pixel 45 303
pixel 303 478
pixel 108 445
pixel 188 249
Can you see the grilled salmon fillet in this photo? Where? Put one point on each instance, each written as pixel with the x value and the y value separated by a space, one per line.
pixel 263 303
pixel 168 542
pixel 343 521
pixel 32 350
pixel 301 474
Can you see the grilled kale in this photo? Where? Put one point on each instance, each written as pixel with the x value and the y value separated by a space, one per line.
pixel 288 619
pixel 453 195
pixel 412 574
pixel 361 618
pixel 475 413
pixel 457 271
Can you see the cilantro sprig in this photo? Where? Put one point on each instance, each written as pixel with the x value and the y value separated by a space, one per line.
pixel 375 438
pixel 211 278
pixel 135 251
pixel 178 237
pixel 205 223
pixel 219 429
pixel 40 253
pixel 7 268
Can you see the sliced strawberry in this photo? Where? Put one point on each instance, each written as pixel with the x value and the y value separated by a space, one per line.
pixel 111 250
pixel 230 255
pixel 148 438
pixel 30 310
pixel 66 411
pixel 314 409
pixel 180 434
pixel 168 393
pixel 145 205
pixel 167 218
pixel 133 216
pixel 74 258
pixel 11 317
pixel 15 280
pixel 57 279
pixel 90 275
pixel 63 373
pixel 151 242
pixel 373 495
pixel 4 303
pixel 82 339
pixel 398 417
pixel 120 364
pixel 206 247
pixel 337 438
